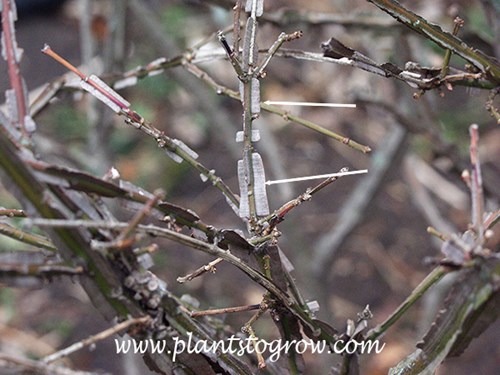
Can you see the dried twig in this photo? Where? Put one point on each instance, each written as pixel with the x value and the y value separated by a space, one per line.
pixel 12 212
pixel 122 239
pixel 96 338
pixel 279 215
pixel 210 267
pixel 225 310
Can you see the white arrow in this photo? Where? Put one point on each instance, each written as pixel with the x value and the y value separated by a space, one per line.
pixel 310 104
pixel 296 179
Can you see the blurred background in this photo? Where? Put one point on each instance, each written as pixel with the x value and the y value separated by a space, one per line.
pixel 362 241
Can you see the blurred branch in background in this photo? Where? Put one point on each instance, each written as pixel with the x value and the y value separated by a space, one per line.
pixel 353 209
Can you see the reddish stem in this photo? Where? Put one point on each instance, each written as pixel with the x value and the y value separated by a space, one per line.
pixel 16 81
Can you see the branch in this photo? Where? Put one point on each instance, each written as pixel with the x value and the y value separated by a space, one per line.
pixel 222 90
pixel 12 212
pixel 431 279
pixel 485 63
pixel 477 196
pixel 279 215
pixel 12 53
pixel 413 79
pixel 96 338
pixel 288 302
pixel 175 148
pixel 29 238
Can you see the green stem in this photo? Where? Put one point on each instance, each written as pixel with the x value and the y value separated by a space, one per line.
pixel 29 238
pixel 418 292
pixel 443 39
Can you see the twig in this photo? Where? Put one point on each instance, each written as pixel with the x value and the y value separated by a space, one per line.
pixel 250 99
pixel 490 105
pixel 436 233
pixel 96 338
pixel 38 270
pixel 71 243
pixel 431 279
pixel 141 214
pixel 477 196
pixel 445 40
pixel 457 24
pixel 283 37
pixel 410 78
pixel 172 235
pixel 225 310
pixel 260 359
pixel 492 219
pixel 236 28
pixel 263 307
pixel 121 106
pixel 222 90
pixel 279 215
pixel 233 57
pixel 247 328
pixel 313 126
pixel 13 54
pixel 29 238
pixel 89 184
pixel 12 212
pixel 210 267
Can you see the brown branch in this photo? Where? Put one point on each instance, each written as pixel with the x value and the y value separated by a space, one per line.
pixel 225 310
pixel 126 233
pixel 279 215
pixel 210 267
pixel 12 212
